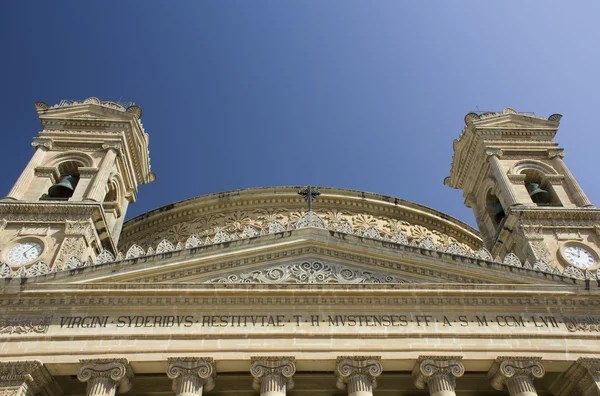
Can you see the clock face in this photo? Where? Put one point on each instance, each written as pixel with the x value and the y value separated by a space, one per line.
pixel 579 257
pixel 24 253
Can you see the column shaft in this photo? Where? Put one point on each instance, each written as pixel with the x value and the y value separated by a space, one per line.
pixel 23 182
pixel 506 187
pixel 273 385
pixel 360 385
pixel 189 385
pixel 97 188
pixel 101 386
pixel 441 385
pixel 572 185
pixel 521 386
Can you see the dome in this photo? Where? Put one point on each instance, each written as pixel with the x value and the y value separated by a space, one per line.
pixel 250 213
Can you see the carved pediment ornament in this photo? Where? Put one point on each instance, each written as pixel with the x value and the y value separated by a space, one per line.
pixel 190 372
pixel 112 372
pixel 308 272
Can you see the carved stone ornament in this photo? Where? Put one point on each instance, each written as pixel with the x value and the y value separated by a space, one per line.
pixel 23 378
pixel 582 378
pixel 517 373
pixel 273 374
pixel 494 151
pixel 586 324
pixel 105 376
pixel 22 325
pixel 191 375
pixel 358 373
pixel 308 272
pixel 439 373
pixel 42 143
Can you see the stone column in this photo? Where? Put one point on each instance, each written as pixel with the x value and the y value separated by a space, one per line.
pixel 517 373
pixel 273 376
pixel 23 378
pixel 191 375
pixel 504 183
pixel 358 374
pixel 572 185
pixel 23 182
pixel 97 188
pixel 105 377
pixel 582 378
pixel 438 373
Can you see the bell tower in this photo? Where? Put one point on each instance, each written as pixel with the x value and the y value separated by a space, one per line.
pixel 71 198
pixel 525 199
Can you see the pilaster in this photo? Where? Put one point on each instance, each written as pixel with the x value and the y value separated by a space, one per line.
pixel 358 374
pixel 23 378
pixel 191 375
pixel 97 188
pixel 23 182
pixel 438 373
pixel 105 377
pixel 573 186
pixel 273 376
pixel 517 374
pixel 582 378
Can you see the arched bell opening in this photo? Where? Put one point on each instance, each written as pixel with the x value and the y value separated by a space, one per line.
pixel 494 210
pixel 68 178
pixel 540 191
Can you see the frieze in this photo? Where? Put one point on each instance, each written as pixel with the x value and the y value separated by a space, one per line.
pixel 22 325
pixel 584 324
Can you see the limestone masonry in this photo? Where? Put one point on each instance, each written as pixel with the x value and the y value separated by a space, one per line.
pixel 249 292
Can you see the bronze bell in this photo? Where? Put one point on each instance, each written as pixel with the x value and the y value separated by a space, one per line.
pixel 536 193
pixel 498 212
pixel 64 188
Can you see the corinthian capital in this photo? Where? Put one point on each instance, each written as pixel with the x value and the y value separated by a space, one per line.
pixel 363 368
pixel 105 376
pixel 508 370
pixel 26 377
pixel 494 151
pixel 273 372
pixel 191 374
pixel 437 369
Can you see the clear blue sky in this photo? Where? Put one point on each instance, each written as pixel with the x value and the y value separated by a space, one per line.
pixel 351 94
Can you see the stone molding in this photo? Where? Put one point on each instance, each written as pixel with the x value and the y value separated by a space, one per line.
pixel 105 376
pixel 439 373
pixel 191 375
pixel 516 373
pixel 358 372
pixel 582 378
pixel 273 373
pixel 23 377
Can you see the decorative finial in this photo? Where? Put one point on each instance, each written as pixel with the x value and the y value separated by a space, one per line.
pixel 309 193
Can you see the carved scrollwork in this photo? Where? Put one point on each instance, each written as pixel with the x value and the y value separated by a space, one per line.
pixel 26 377
pixel 428 367
pixel 117 371
pixel 367 368
pixel 308 272
pixel 277 370
pixel 521 369
pixel 585 324
pixel 191 371
pixel 24 325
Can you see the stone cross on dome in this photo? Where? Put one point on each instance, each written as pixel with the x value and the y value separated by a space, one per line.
pixel 309 193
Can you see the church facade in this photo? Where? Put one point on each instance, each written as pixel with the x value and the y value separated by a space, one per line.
pixel 296 290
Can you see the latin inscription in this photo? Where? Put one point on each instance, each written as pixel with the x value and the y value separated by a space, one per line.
pixel 316 320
